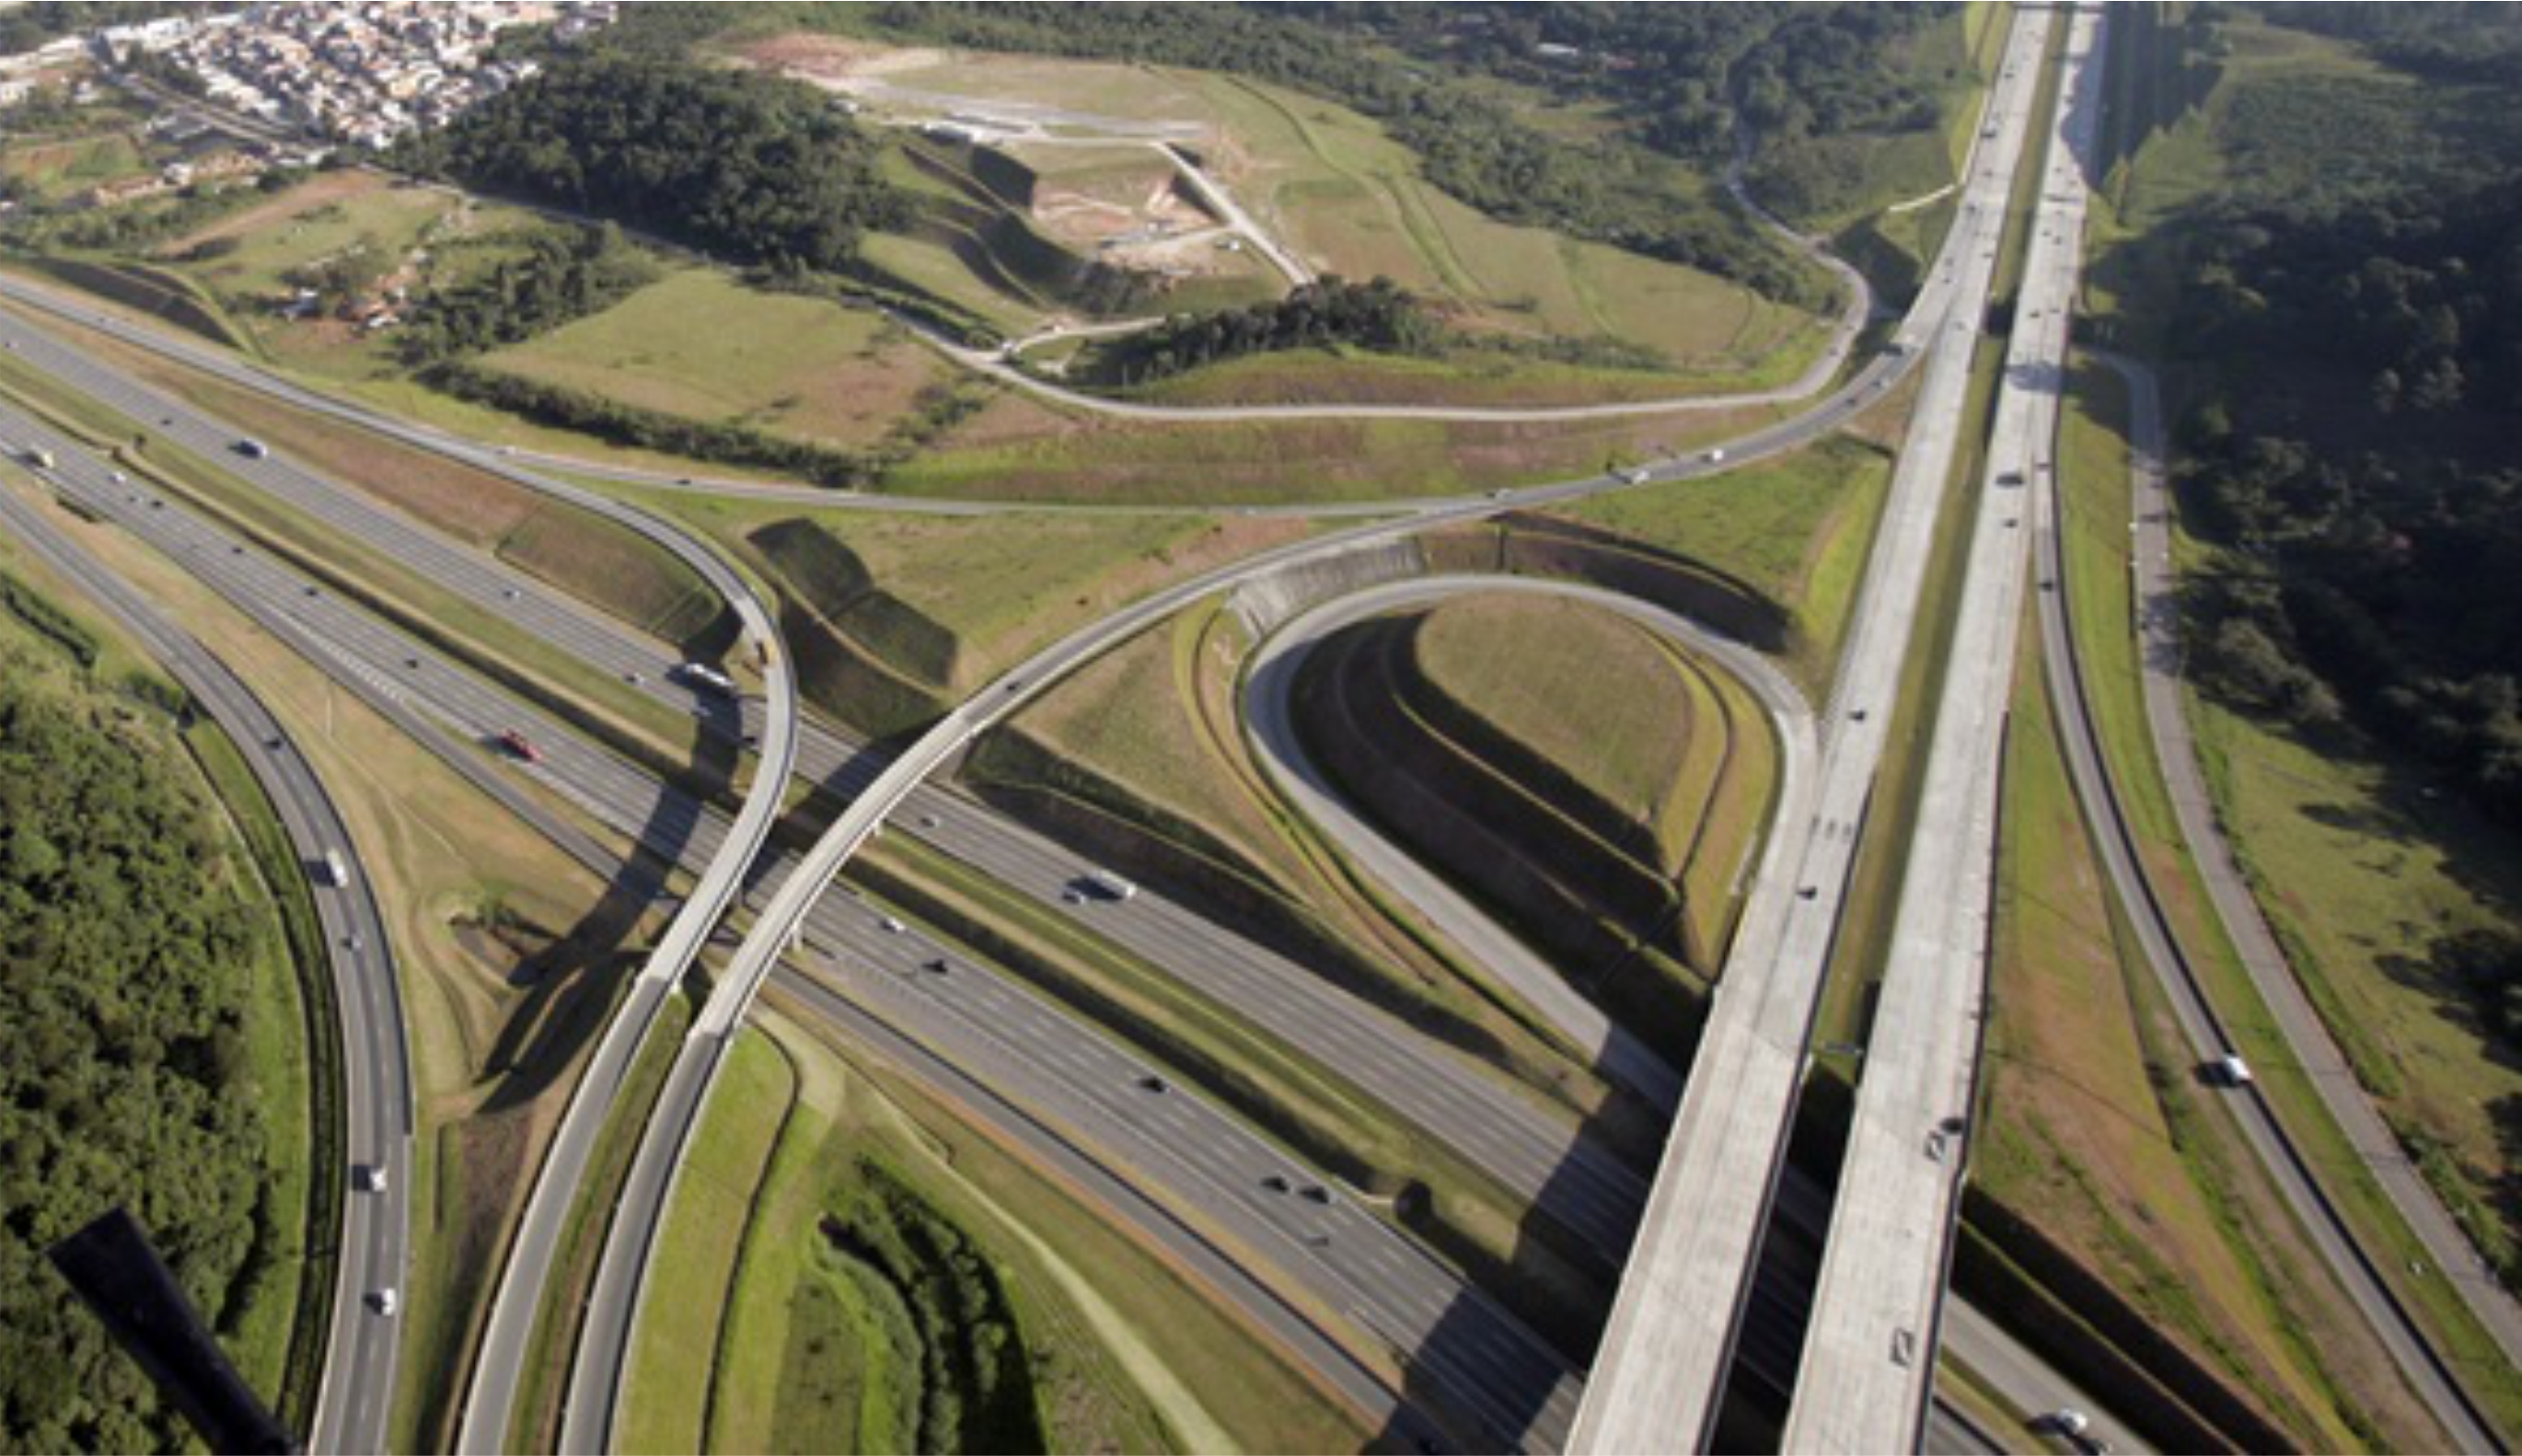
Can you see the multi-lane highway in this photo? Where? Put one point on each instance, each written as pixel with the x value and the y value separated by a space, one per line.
pixel 376 1108
pixel 1870 1349
pixel 1660 1381
pixel 1480 1364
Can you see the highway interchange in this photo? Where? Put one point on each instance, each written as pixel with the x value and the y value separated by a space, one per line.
pixel 1190 1166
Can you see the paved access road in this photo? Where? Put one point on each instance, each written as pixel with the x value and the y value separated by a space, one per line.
pixel 2157 625
pixel 1658 1384
pixel 372 1253
pixel 1870 1351
pixel 1471 1358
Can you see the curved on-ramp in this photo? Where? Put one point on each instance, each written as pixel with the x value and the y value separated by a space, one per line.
pixel 506 1342
pixel 1269 680
pixel 355 1395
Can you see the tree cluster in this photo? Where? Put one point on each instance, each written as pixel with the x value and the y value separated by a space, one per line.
pixel 1380 315
pixel 562 274
pixel 2356 300
pixel 976 1393
pixel 125 1078
pixel 751 168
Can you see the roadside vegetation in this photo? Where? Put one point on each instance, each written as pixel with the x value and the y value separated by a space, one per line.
pixel 157 1022
pixel 2309 216
pixel 888 1276
pixel 2107 1177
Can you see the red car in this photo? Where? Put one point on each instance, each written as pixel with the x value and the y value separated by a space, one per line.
pixel 520 745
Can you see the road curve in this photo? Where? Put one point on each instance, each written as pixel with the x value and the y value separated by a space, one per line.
pixel 1482 1363
pixel 2293 1175
pixel 506 1341
pixel 356 1399
pixel 1268 683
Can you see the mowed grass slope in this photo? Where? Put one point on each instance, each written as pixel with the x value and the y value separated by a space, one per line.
pixel 1458 766
pixel 1522 669
pixel 700 344
pixel 820 1350
pixel 2102 1137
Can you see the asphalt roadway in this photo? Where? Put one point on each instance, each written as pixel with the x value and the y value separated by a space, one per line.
pixel 1493 1378
pixel 2290 1172
pixel 1658 1384
pixel 371 1252
pixel 1870 1349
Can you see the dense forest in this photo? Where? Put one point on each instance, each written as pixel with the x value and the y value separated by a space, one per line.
pixel 561 274
pixel 124 1078
pixel 1378 316
pixel 755 168
pixel 2351 309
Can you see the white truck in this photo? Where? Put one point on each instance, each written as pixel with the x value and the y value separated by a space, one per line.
pixel 337 871
pixel 39 457
pixel 702 675
pixel 1111 886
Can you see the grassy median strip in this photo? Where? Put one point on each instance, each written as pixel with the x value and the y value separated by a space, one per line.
pixel 685 1310
pixel 543 1383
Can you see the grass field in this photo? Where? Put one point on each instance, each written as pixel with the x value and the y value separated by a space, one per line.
pixel 1056 459
pixel 1796 528
pixel 2100 1133
pixel 54 170
pixel 1587 692
pixel 1613 728
pixel 1126 1356
pixel 699 344
pixel 1353 201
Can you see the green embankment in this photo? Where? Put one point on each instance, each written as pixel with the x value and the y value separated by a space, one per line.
pixel 1444 723
pixel 889 1279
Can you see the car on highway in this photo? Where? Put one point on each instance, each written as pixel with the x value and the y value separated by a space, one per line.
pixel 2233 1070
pixel 369 1178
pixel 521 746
pixel 249 448
pixel 386 1300
pixel 1716 457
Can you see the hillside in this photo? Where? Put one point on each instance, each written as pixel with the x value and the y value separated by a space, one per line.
pixel 1597 785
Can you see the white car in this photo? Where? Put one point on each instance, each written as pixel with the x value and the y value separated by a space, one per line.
pixel 369 1178
pixel 386 1300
